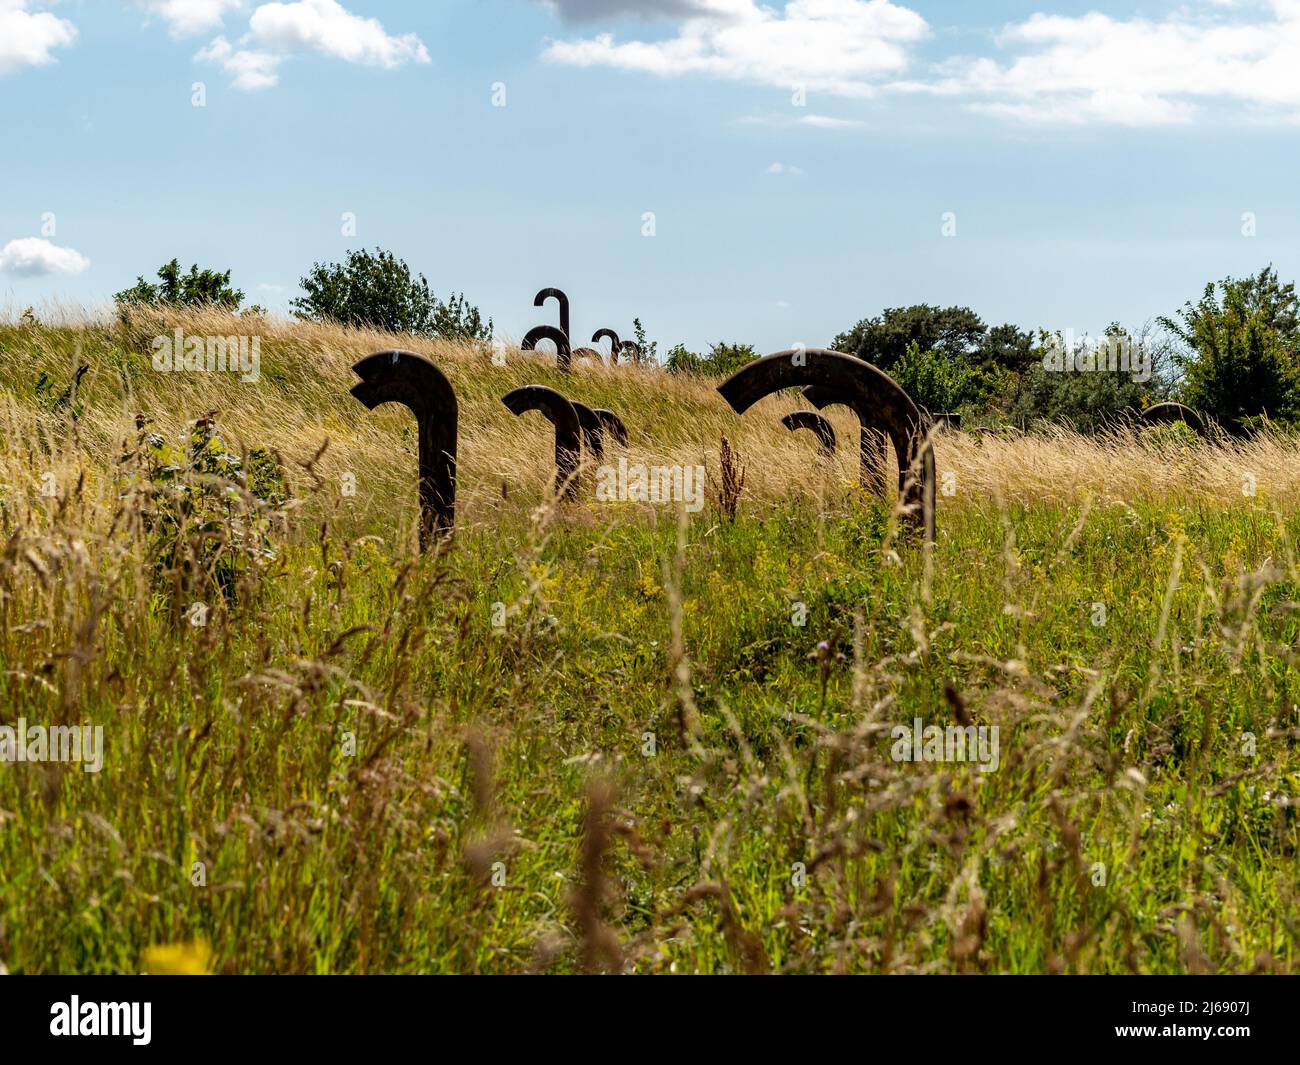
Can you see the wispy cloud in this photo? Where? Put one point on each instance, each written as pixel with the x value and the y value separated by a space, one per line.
pixel 248 68
pixel 1204 56
pixel 827 122
pixel 588 10
pixel 787 120
pixel 1138 71
pixel 846 47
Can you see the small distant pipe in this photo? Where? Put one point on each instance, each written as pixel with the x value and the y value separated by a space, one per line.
pixel 568 430
pixel 612 425
pixel 810 419
pixel 614 342
pixel 556 336
pixel 555 294
pixel 1172 412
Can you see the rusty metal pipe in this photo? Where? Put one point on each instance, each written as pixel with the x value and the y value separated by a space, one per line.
pixel 563 354
pixel 407 378
pixel 819 426
pixel 568 431
pixel 875 397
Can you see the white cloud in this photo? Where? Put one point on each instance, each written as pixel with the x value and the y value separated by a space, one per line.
pixel 249 70
pixel 784 168
pixel 787 120
pixel 188 17
pixel 844 47
pixel 827 122
pixel 34 257
pixel 587 10
pixel 28 37
pixel 279 31
pixel 1242 56
pixel 1138 71
pixel 324 26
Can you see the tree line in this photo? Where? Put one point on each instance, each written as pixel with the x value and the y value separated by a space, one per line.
pixel 1232 354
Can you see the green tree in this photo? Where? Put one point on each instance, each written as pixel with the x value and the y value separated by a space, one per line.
pixel 649 348
pixel 936 382
pixel 195 289
pixel 722 360
pixel 378 291
pixel 725 359
pixel 1093 397
pixel 1007 347
pixel 883 340
pixel 1241 350
pixel 684 361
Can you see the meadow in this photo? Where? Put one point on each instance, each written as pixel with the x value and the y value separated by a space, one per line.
pixel 619 737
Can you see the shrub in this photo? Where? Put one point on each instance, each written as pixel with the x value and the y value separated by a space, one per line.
pixel 208 512
pixel 1095 399
pixel 935 381
pixel 1241 351
pixel 682 360
pixel 725 359
pixel 885 339
pixel 649 348
pixel 722 360
pixel 378 291
pixel 198 288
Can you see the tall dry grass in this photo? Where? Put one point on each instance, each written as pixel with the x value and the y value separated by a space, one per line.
pixel 301 404
pixel 649 765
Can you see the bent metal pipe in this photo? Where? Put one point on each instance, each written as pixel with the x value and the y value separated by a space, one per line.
pixel 819 426
pixel 555 294
pixel 875 397
pixel 568 430
pixel 563 354
pixel 407 378
pixel 614 342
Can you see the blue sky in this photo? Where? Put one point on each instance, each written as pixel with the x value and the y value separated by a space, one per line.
pixel 799 159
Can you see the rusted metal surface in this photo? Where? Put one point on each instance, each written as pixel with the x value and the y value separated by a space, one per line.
pixel 587 353
pixel 611 425
pixel 568 431
pixel 614 342
pixel 589 423
pixel 943 422
pixel 871 441
pixel 876 398
pixel 556 336
pixel 597 426
pixel 555 294
pixel 811 420
pixel 407 378
pixel 1172 412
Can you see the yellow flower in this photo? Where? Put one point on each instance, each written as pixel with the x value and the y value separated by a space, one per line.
pixel 178 959
pixel 648 588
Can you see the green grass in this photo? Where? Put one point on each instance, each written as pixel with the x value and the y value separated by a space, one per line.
pixel 375 778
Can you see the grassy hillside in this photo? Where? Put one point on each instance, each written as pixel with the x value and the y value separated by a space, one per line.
pixel 595 736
